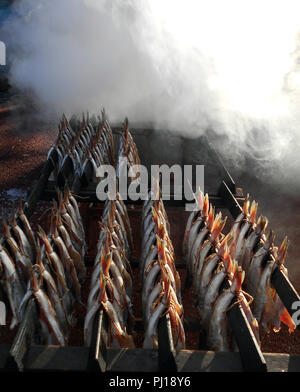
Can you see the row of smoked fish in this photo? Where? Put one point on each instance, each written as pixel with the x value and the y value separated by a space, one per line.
pixel 46 268
pixel 111 286
pixel 84 142
pixel 49 268
pixel 235 268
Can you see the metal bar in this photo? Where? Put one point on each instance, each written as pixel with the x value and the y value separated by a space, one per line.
pixel 230 201
pixel 224 172
pixel 38 190
pixel 166 350
pixel 23 338
pixel 89 196
pixel 285 291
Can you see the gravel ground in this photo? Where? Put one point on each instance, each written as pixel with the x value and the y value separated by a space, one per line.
pixel 21 160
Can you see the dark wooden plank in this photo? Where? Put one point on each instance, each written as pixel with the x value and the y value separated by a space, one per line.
pixel 23 338
pixel 38 190
pixel 88 174
pixel 56 358
pixel 208 361
pixel 89 196
pixel 166 350
pixel 285 290
pixel 124 360
pixel 133 360
pixel 66 171
pixel 4 355
pixel 251 355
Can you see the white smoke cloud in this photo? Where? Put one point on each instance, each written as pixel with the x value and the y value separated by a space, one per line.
pixel 185 65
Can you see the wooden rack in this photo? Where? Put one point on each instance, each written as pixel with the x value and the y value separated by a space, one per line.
pixel 22 355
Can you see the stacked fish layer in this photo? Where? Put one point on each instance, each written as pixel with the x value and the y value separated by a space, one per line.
pixel 160 280
pixel 128 157
pixel 209 266
pixel 111 282
pixel 48 268
pixel 255 252
pixel 83 144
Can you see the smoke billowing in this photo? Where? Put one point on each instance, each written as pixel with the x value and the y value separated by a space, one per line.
pixel 183 65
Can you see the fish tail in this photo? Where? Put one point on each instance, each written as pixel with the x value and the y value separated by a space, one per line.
pixel 253 211
pixel 217 229
pixel 44 238
pixel 199 197
pixel 246 204
pixel 20 207
pixel 238 278
pixel 205 206
pixel 283 251
pixel 211 217
pixel 287 320
pixel 6 231
pixel 228 263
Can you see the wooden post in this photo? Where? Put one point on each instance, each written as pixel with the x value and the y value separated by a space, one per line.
pixel 166 350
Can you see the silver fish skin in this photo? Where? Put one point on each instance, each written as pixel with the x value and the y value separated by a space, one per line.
pixel 196 247
pixel 241 241
pixel 70 271
pixel 150 340
pixel 190 221
pixel 203 252
pixel 149 282
pixel 22 262
pixel 13 286
pixel 27 227
pixel 192 236
pixel 209 266
pixel 148 247
pixel 46 311
pixel 255 268
pixel 126 274
pixel 211 295
pixel 56 302
pixel 218 331
pixel 253 239
pixel 151 256
pixel 74 254
pixel 22 239
pixel 154 295
pixel 261 295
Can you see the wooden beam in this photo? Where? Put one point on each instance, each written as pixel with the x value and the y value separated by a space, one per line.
pixel 56 358
pixel 37 192
pixel 23 338
pixel 166 350
pixel 251 355
pixel 285 290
